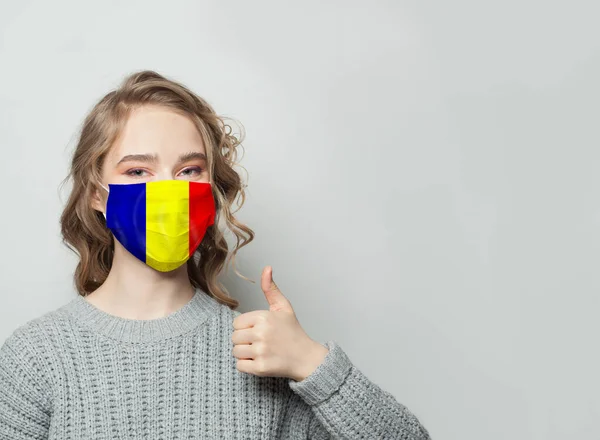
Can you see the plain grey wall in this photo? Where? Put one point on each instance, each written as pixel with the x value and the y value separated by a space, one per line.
pixel 421 178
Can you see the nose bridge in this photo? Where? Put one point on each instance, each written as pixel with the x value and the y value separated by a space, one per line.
pixel 164 172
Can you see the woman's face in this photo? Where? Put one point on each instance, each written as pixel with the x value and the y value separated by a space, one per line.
pixel 156 144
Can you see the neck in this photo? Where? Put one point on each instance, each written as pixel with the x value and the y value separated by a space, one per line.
pixel 134 290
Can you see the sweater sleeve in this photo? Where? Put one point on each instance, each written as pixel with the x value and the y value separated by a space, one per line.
pixel 24 401
pixel 345 404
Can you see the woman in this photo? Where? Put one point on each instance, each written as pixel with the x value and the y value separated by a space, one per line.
pixel 152 347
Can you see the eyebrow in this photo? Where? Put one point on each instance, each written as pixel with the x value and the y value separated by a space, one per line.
pixel 153 158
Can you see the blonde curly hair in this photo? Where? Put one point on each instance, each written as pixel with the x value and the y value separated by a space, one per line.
pixel 84 229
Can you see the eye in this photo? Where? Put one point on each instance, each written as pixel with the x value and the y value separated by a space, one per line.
pixel 192 171
pixel 136 172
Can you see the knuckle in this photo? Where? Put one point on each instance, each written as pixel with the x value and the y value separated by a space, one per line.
pixel 261 368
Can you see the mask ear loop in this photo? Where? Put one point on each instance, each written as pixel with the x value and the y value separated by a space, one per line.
pixel 106 208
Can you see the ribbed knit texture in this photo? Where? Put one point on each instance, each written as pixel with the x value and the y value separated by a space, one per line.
pixel 80 373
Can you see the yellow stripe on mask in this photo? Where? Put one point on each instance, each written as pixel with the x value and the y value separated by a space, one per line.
pixel 167 224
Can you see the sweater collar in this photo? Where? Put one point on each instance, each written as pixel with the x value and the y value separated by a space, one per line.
pixel 195 312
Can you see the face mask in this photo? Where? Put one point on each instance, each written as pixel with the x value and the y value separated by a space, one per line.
pixel 162 223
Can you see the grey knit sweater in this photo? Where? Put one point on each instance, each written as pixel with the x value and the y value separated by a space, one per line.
pixel 80 373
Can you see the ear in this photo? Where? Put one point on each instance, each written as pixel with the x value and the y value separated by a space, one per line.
pixel 98 200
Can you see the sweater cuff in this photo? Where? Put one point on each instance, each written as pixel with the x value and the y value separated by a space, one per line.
pixel 327 377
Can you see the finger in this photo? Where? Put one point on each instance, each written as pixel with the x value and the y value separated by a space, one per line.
pixel 245 365
pixel 266 280
pixel 276 299
pixel 243 336
pixel 243 351
pixel 249 319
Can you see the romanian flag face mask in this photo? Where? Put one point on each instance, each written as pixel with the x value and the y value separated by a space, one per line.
pixel 163 222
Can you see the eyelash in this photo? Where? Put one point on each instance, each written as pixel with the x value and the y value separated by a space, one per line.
pixel 132 171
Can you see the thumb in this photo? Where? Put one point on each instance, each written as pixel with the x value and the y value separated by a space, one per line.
pixel 277 301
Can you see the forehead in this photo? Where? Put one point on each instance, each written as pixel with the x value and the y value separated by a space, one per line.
pixel 157 130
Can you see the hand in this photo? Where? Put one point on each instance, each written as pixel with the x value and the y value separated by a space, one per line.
pixel 272 342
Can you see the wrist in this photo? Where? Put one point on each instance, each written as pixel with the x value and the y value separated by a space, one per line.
pixel 314 357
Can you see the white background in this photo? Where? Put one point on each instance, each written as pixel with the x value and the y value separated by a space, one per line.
pixel 422 177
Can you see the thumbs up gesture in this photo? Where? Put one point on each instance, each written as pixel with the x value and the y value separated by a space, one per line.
pixel 272 342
